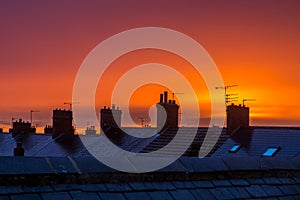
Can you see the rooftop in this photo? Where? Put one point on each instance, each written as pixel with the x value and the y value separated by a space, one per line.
pixel 55 170
pixel 186 178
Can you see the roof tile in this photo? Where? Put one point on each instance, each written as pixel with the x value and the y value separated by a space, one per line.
pixel 93 187
pixel 271 190
pixel 56 195
pixel 141 186
pixel 256 191
pixel 289 189
pixel 272 181
pixel 239 192
pixel 183 184
pixel 287 181
pixel 78 195
pixel 109 196
pixel 25 197
pixel 297 179
pixel 163 186
pixel 204 194
pixel 221 183
pixel 239 182
pixel 160 195
pixel 182 194
pixel 65 187
pixel 222 193
pixel 120 187
pixel 203 184
pixel 137 195
pixel 256 181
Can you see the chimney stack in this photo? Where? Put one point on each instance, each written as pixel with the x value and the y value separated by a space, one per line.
pixel 110 118
pixel 237 117
pixel 167 112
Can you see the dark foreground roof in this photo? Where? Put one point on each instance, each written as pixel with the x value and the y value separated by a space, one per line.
pixel 187 178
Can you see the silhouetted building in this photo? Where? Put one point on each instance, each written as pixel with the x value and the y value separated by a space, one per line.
pixel 167 112
pixel 62 123
pixel 1 130
pixel 21 127
pixel 237 116
pixel 110 118
pixel 48 129
pixel 90 130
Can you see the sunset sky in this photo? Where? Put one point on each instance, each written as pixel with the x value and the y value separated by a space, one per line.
pixel 255 44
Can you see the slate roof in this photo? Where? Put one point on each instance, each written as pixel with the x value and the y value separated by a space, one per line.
pixel 44 145
pixel 54 170
pixel 187 178
pixel 288 139
pixel 193 150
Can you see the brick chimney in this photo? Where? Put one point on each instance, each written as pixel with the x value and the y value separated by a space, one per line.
pixel 62 123
pixel 110 118
pixel 21 127
pixel 167 111
pixel 237 116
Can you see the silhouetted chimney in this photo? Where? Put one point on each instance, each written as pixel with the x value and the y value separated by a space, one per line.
pixel 237 117
pixel 166 96
pixel 62 123
pixel 48 129
pixel 21 127
pixel 161 99
pixel 19 151
pixel 167 113
pixel 110 118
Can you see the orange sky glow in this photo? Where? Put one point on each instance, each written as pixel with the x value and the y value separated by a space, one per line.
pixel 255 44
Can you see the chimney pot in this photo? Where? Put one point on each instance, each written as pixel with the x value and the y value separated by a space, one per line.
pixel 19 151
pixel 166 97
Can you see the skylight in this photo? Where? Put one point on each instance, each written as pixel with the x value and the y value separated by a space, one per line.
pixel 235 148
pixel 271 151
